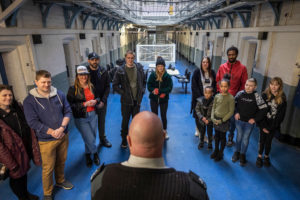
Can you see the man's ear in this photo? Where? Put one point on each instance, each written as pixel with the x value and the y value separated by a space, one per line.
pixel 129 140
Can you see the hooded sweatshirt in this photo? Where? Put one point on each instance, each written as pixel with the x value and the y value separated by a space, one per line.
pixel 43 113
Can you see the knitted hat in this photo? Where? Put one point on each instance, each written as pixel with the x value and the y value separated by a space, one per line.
pixel 160 61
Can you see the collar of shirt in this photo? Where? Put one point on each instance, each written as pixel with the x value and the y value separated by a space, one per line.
pixel 140 162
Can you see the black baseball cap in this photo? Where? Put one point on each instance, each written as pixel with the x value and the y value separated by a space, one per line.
pixel 93 55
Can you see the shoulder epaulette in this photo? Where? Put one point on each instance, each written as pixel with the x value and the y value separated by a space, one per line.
pixel 97 172
pixel 197 179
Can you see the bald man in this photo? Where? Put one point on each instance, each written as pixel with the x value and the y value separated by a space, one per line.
pixel 144 175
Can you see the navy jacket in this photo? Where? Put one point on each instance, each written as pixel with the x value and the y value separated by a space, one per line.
pixel 43 113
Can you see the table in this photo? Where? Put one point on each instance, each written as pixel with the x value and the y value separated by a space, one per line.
pixel 173 72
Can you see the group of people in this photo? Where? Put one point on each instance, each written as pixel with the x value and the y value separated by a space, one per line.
pixel 228 101
pixel 39 131
pixel 219 101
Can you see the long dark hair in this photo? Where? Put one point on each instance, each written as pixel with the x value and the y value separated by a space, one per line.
pixel 209 66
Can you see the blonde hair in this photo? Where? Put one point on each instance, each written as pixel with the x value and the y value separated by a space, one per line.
pixel 159 75
pixel 279 98
pixel 78 86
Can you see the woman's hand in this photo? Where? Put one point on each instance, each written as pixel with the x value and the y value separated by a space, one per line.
pixel 90 103
pixel 155 91
pixel 162 95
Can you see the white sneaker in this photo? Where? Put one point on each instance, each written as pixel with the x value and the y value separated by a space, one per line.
pixel 166 136
pixel 197 132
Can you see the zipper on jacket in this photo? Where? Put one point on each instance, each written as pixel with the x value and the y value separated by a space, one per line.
pixel 158 90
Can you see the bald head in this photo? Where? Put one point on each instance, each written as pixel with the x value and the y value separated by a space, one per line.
pixel 146 136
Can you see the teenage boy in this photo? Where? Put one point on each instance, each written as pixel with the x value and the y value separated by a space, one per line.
pixel 250 108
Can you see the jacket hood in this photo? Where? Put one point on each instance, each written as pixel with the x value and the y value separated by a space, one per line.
pixel 34 92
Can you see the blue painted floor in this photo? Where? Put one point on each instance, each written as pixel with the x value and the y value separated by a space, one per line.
pixel 225 180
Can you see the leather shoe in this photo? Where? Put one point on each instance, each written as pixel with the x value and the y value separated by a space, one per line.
pixel 105 143
pixel 96 159
pixel 88 160
pixel 32 196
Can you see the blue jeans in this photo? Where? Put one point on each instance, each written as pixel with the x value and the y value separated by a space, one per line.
pixel 244 130
pixel 232 127
pixel 88 130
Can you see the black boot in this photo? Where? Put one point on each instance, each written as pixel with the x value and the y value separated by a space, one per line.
pixel 219 156
pixel 259 162
pixel 214 154
pixel 104 142
pixel 230 141
pixel 236 156
pixel 32 196
pixel 267 162
pixel 88 160
pixel 96 159
pixel 243 160
pixel 201 144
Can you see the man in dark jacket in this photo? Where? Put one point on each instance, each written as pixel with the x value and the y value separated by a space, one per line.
pixel 101 81
pixel 144 175
pixel 48 112
pixel 130 83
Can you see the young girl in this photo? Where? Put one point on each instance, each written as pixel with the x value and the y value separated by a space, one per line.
pixel 276 101
pixel 160 84
pixel 222 110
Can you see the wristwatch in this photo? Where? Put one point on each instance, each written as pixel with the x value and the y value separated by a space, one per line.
pixel 64 127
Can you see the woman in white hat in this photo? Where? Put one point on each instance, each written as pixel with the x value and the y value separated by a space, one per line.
pixel 82 98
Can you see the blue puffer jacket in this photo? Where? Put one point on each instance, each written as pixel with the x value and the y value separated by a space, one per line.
pixel 43 113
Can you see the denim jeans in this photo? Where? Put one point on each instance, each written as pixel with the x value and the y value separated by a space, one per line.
pixel 88 130
pixel 244 130
pixel 232 127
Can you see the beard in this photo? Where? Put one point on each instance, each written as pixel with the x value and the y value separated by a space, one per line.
pixel 232 60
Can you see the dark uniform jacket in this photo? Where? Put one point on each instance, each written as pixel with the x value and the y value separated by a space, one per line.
pixel 119 182
pixel 121 85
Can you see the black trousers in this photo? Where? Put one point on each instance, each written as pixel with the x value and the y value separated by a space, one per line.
pixel 163 111
pixel 265 142
pixel 101 121
pixel 220 137
pixel 128 111
pixel 19 186
pixel 202 129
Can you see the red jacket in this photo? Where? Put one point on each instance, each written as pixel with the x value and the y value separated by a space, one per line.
pixel 13 152
pixel 238 78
